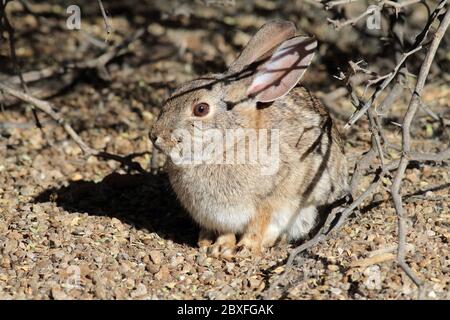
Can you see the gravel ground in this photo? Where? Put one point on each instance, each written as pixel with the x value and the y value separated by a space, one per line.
pixel 76 228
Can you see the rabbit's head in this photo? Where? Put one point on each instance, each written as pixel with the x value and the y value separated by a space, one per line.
pixel 270 65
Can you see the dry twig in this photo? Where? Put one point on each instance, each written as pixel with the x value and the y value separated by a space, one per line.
pixel 379 141
pixel 406 149
pixel 108 26
pixel 48 109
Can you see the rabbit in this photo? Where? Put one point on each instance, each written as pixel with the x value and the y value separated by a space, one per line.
pixel 239 201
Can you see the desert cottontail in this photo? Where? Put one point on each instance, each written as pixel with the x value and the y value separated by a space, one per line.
pixel 250 199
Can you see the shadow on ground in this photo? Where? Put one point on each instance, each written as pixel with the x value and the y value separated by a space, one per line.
pixel 144 201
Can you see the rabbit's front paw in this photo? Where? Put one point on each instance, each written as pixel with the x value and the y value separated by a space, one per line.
pixel 250 242
pixel 224 246
pixel 205 239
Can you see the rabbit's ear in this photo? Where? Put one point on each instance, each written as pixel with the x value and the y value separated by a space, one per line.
pixel 266 38
pixel 277 76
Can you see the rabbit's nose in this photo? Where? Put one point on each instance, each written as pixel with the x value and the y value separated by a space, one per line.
pixel 156 140
pixel 153 137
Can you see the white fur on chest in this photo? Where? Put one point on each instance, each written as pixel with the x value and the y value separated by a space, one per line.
pixel 213 204
pixel 230 218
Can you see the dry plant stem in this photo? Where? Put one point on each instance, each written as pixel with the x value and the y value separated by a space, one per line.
pixel 47 108
pixel 376 147
pixel 387 80
pixel 35 75
pixel 95 63
pixel 105 18
pixel 375 130
pixel 340 24
pixel 326 230
pixel 334 3
pixel 394 4
pixel 441 156
pixel 406 147
pixel 418 156
pixel 370 10
pixel 16 125
pixel 428 111
pixel 393 94
pixel 98 63
pixel 10 30
pixel 368 158
pixel 362 166
pixel 390 76
pixel 115 50
pixel 402 4
pixel 315 3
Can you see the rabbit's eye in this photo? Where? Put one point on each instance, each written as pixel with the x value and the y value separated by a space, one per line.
pixel 201 109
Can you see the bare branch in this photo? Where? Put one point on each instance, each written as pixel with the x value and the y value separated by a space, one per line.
pixel 393 94
pixel 326 230
pixel 48 108
pixel 71 69
pixel 369 11
pixel 375 130
pixel 387 80
pixel 315 3
pixel 108 26
pixel 400 5
pixel 340 24
pixel 334 3
pixel 334 221
pixel 406 146
pixel 441 156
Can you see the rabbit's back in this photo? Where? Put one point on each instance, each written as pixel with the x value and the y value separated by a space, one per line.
pixel 312 147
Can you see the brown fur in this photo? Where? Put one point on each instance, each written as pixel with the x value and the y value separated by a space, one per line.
pixel 236 199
